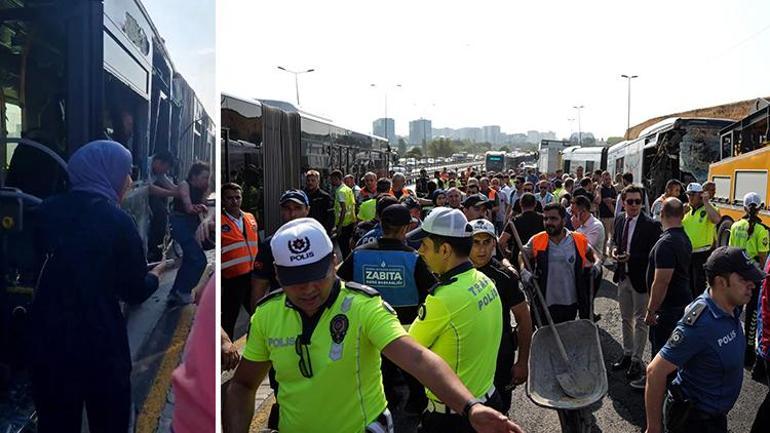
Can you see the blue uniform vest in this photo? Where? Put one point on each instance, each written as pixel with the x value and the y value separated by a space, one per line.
pixel 389 272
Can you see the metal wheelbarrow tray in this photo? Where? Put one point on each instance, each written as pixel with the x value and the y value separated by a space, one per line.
pixel 581 341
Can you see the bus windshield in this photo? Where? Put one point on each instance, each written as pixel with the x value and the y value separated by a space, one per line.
pixel 699 148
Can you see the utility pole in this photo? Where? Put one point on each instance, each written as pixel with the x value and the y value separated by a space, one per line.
pixel 628 115
pixel 296 81
pixel 580 129
pixel 387 134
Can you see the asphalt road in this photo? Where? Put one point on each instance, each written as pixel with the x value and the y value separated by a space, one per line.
pixel 622 409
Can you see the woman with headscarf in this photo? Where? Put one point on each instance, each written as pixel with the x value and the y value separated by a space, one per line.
pixel 188 206
pixel 94 257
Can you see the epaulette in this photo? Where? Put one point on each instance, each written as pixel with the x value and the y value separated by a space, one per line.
pixel 352 285
pixel 269 296
pixel 439 284
pixel 693 313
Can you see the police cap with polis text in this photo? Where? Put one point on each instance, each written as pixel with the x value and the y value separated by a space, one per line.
pixel 442 221
pixel 726 260
pixel 302 251
pixel 482 225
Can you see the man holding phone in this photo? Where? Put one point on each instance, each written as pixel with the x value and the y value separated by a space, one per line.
pixel 635 235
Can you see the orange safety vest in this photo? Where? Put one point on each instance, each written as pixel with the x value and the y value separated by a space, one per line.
pixel 404 192
pixel 238 248
pixel 540 244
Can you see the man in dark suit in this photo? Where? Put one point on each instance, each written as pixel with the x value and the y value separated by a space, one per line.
pixel 634 236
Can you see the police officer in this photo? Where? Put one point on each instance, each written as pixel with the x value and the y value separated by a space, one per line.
pixel 294 204
pixel 751 235
pixel 507 374
pixel 370 231
pixel 344 211
pixel 239 247
pixel 367 210
pixel 706 351
pixel 699 223
pixel 324 337
pixel 461 320
pixel 400 275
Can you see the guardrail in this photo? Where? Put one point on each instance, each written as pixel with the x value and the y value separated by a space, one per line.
pixel 411 176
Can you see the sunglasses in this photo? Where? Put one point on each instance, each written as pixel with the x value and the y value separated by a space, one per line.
pixel 303 351
pixel 528 190
pixel 636 201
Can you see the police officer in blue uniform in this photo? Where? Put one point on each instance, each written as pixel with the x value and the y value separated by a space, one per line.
pixel 705 350
pixel 400 275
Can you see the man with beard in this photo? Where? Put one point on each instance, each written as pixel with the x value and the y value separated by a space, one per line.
pixel 563 265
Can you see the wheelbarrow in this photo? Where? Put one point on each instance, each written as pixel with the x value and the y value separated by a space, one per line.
pixel 566 364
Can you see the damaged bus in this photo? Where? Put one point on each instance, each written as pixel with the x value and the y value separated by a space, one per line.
pixel 273 140
pixel 674 148
pixel 74 71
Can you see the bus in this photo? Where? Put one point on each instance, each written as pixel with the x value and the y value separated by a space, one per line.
pixel 494 161
pixel 743 169
pixel 590 158
pixel 76 71
pixel 549 153
pixel 674 148
pixel 275 141
pixel 514 160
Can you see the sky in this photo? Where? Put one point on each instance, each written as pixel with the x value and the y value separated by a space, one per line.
pixel 522 65
pixel 188 27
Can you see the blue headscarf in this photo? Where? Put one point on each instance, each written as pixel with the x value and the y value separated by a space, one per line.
pixel 100 167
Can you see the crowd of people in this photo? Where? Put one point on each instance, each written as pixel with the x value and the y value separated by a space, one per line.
pixel 430 279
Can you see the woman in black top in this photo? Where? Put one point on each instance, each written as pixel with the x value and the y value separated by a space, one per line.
pixel 188 207
pixel 94 258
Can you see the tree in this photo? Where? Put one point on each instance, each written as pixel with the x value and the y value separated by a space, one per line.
pixel 505 149
pixel 414 152
pixel 614 140
pixel 442 147
pixel 401 146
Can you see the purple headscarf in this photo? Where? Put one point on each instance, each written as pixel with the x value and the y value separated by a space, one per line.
pixel 100 167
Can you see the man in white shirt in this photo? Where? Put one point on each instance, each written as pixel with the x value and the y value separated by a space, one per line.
pixel 584 222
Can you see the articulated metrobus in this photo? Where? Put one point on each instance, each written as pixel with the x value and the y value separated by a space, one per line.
pixel 75 71
pixel 494 161
pixel 590 158
pixel 267 146
pixel 674 148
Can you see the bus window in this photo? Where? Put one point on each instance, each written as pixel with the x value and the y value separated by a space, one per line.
pixel 722 184
pixel 34 71
pixel 125 113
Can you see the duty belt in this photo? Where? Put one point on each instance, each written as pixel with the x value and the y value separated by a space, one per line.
pixel 439 407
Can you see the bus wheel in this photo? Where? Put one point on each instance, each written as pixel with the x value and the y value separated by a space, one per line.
pixel 723 233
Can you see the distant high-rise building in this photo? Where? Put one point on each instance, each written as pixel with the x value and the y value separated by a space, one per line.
pixel 386 127
pixel 420 133
pixel 491 134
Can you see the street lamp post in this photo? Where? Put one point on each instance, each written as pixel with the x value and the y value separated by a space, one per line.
pixel 580 129
pixel 628 116
pixel 387 136
pixel 296 81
